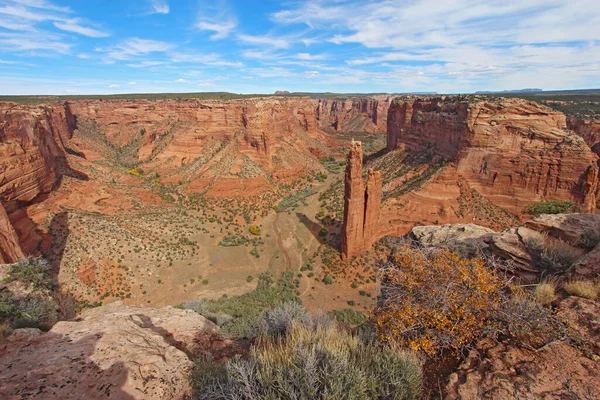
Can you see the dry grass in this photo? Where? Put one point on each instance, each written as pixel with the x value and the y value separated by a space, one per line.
pixel 313 361
pixel 545 293
pixel 585 289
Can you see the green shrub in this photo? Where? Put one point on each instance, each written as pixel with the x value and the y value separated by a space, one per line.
pixel 32 272
pixel 312 362
pixel 240 316
pixel 348 316
pixel 323 232
pixel 550 207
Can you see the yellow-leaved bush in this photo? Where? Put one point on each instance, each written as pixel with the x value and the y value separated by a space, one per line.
pixel 437 301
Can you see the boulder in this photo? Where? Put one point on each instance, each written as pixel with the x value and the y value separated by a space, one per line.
pixel 452 235
pixel 114 351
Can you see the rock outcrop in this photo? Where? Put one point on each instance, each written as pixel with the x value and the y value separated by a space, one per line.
pixel 588 129
pixel 360 114
pixel 511 151
pixel 576 234
pixel 503 370
pixel 362 202
pixel 114 351
pixel 32 162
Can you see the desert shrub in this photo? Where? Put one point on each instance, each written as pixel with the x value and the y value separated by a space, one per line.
pixel 136 172
pixel 241 316
pixel 435 302
pixel 552 256
pixel 527 321
pixel 255 230
pixel 544 293
pixel 590 239
pixel 585 289
pixel 32 272
pixel 550 207
pixel 278 321
pixel 322 362
pixel 31 311
pixel 291 201
pixel 323 232
pixel 347 317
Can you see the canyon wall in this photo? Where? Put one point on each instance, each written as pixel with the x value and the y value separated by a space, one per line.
pixel 588 129
pixel 360 114
pixel 362 203
pixel 512 151
pixel 180 131
pixel 32 161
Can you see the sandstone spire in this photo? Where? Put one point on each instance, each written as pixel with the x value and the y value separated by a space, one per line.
pixel 361 205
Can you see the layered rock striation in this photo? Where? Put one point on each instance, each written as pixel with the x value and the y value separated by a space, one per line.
pixel 362 202
pixel 512 151
pixel 32 162
pixel 178 132
pixel 363 114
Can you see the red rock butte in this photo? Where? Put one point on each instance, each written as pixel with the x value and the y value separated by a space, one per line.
pixel 362 202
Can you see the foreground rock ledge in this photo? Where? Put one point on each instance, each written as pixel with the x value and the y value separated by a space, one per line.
pixel 115 351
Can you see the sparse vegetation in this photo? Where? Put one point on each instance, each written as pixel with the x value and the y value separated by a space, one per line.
pixel 311 360
pixel 585 289
pixel 552 256
pixel 550 207
pixel 545 293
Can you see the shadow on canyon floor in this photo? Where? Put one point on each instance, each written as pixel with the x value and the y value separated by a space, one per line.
pixel 313 227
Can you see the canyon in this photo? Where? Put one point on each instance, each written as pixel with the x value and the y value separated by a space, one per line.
pixel 358 114
pixel 87 169
pixel 139 205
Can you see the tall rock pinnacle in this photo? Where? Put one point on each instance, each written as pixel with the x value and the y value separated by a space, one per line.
pixel 361 205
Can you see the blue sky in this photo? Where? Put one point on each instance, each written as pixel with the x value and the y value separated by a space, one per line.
pixel 123 46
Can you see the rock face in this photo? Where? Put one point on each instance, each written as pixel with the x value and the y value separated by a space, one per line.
pixel 588 129
pixel 32 161
pixel 353 114
pixel 361 205
pixel 180 132
pixel 511 151
pixel 114 351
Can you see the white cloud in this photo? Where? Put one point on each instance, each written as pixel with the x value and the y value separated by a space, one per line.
pixel 160 7
pixel 113 86
pixel 27 42
pixel 180 80
pixel 279 42
pixel 135 47
pixel 73 25
pixel 132 83
pixel 311 74
pixel 221 28
pixel 310 57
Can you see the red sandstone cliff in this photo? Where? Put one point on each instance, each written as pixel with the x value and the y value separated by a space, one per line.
pixel 512 151
pixel 277 133
pixel 588 129
pixel 364 114
pixel 32 160
pixel 361 205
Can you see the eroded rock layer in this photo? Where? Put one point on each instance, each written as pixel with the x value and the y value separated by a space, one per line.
pixel 181 131
pixel 364 114
pixel 362 202
pixel 32 161
pixel 512 151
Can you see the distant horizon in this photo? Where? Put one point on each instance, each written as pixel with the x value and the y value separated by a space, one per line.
pixel 124 94
pixel 69 47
